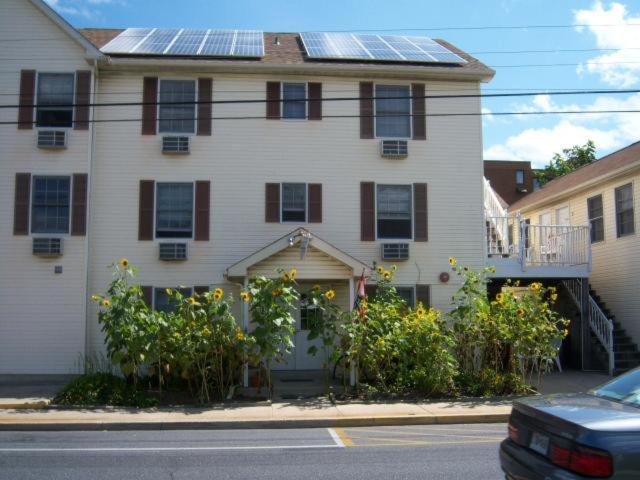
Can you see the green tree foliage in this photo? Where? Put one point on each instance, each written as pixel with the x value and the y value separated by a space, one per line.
pixel 566 162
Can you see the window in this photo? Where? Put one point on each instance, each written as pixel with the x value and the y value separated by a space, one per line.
pixel 174 210
pixel 624 210
pixel 294 202
pixel 408 295
pixel 596 218
pixel 177 118
pixel 55 100
pixel 520 177
pixel 50 205
pixel 162 301
pixel 394 211
pixel 393 115
pixel 309 314
pixel 294 103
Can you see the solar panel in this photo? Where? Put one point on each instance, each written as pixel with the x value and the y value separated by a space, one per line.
pixel 353 46
pixel 200 42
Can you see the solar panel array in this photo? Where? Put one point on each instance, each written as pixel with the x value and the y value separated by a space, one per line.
pixel 392 48
pixel 192 42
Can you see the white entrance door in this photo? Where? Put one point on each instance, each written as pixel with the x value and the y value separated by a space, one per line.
pixel 300 358
pixel 562 216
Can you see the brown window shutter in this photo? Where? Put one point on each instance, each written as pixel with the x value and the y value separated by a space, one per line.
pixel 21 204
pixel 418 111
pixel 370 290
pixel 367 212
pixel 315 203
pixel 366 110
pixel 203 198
pixel 150 105
pixel 273 100
pixel 315 101
pixel 272 203
pixel 200 289
pixel 79 204
pixel 83 98
pixel 27 99
pixel 420 223
pixel 145 212
pixel 204 106
pixel 147 295
pixel 423 295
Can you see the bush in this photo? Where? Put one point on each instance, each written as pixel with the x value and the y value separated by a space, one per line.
pixel 98 389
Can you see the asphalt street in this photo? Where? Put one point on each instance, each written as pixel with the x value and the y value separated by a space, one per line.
pixel 429 451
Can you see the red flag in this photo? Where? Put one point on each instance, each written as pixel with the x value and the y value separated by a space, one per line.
pixel 359 303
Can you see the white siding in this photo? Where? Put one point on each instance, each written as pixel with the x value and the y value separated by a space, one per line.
pixel 42 315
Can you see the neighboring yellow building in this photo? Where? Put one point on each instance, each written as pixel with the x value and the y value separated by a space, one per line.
pixel 605 195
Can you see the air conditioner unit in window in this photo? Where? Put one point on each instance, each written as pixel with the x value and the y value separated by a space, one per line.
pixel 175 144
pixel 173 251
pixel 395 251
pixel 394 148
pixel 47 247
pixel 52 139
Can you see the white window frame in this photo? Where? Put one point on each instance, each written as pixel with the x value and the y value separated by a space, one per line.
pixel 413 292
pixel 375 110
pixel 153 294
pixel 306 203
pixel 633 206
pixel 31 193
pixel 155 212
pixel 306 101
pixel 412 211
pixel 34 115
pixel 518 171
pixel 195 109
pixel 589 219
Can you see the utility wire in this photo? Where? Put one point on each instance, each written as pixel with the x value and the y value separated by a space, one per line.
pixel 326 99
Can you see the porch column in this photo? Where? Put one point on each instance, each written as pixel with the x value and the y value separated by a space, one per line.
pixel 245 328
pixel 353 373
pixel 585 325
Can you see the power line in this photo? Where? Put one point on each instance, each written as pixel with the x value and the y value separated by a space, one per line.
pixel 327 99
pixel 460 114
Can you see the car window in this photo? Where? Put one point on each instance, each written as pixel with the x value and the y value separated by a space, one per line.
pixel 625 388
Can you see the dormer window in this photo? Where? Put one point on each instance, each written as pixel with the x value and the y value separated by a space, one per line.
pixel 55 100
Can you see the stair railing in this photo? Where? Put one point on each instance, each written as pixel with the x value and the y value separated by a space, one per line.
pixel 601 326
pixel 498 218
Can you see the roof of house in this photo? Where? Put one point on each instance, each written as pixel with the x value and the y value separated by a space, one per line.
pixel 287 49
pixel 602 168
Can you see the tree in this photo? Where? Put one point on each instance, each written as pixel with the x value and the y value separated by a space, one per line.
pixel 566 162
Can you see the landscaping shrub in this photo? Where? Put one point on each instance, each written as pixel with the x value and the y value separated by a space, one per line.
pixel 98 389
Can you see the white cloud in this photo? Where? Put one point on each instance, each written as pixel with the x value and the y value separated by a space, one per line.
pixel 487 116
pixel 619 68
pixel 81 8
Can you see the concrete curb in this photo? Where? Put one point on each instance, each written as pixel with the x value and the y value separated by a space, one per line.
pixel 38 405
pixel 29 425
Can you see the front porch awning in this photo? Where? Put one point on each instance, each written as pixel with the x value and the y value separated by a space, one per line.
pixel 321 261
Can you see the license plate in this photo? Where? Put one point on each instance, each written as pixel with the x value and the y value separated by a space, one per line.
pixel 539 443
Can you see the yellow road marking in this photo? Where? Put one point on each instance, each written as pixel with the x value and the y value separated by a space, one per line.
pixel 346 439
pixel 424 434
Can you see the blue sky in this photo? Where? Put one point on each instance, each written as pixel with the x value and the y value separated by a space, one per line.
pixel 533 138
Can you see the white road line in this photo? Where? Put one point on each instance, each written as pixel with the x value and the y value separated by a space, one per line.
pixel 336 437
pixel 165 449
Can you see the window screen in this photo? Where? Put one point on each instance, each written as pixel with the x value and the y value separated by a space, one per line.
pixel 162 301
pixel 55 100
pixel 293 100
pixel 624 210
pixel 393 114
pixel 394 211
pixel 50 205
pixel 520 177
pixel 174 210
pixel 177 118
pixel 596 218
pixel 294 202
pixel 407 294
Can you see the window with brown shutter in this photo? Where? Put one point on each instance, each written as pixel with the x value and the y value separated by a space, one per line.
pixel 315 100
pixel 366 110
pixel 367 212
pixel 273 100
pixel 203 195
pixel 423 295
pixel 420 223
pixel 27 95
pixel 149 107
pixel 200 289
pixel 418 110
pixel 79 204
pixel 272 203
pixel 145 212
pixel 204 106
pixel 315 202
pixel 82 99
pixel 147 295
pixel 21 204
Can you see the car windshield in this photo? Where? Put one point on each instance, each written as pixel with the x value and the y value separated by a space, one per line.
pixel 625 388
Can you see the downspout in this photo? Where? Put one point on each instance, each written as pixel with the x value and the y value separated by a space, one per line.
pixel 87 256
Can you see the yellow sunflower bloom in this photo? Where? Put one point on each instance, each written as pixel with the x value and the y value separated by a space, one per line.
pixel 240 335
pixel 316 288
pixel 218 291
pixel 452 261
pixel 386 274
pixel 381 341
pixel 554 297
pixel 217 295
pixel 206 331
pixel 379 269
pixel 106 303
pixel 535 286
pixel 285 276
pixel 421 312
pixel 276 292
pixel 245 296
pixel 394 268
pixel 520 312
pixel 492 269
pixel 330 294
pixel 293 273
pixel 500 297
pixel 191 301
pixel 95 298
pixel 124 263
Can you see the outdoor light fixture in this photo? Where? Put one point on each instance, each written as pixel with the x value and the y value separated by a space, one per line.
pixel 304 237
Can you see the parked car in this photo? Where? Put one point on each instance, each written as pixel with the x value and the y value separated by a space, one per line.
pixel 576 436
